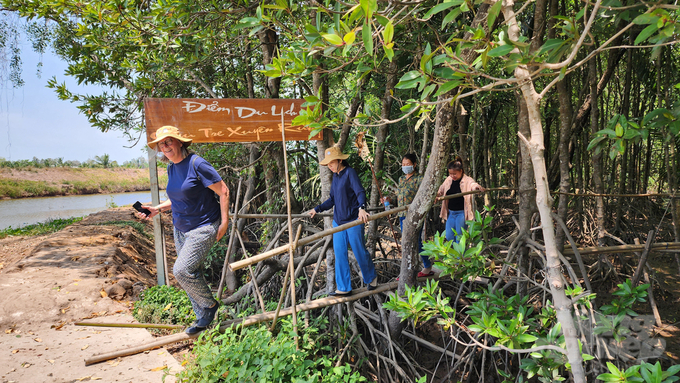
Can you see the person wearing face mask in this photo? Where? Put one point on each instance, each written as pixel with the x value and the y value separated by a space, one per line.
pixel 407 188
pixel 456 211
pixel 349 199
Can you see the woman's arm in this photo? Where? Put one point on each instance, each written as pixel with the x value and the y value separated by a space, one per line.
pixel 166 205
pixel 221 189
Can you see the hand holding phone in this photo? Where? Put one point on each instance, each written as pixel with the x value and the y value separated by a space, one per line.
pixel 138 206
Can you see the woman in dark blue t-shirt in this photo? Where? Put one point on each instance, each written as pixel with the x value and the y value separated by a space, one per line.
pixel 199 220
pixel 349 199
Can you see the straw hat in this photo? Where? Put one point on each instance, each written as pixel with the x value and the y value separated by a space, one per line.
pixel 167 131
pixel 333 153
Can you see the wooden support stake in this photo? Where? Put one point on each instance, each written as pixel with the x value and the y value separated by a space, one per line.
pixel 643 258
pixel 650 292
pixel 291 249
pixel 231 242
pixel 574 249
pixel 252 273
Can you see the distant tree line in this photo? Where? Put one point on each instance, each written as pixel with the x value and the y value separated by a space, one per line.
pixel 103 161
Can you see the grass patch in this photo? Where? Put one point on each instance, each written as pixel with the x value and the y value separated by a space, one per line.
pixel 19 188
pixel 47 227
pixel 163 304
pixel 138 226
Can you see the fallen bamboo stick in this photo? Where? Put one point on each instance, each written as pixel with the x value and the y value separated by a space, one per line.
pixel 129 325
pixel 315 304
pixel 624 248
pixel 159 342
pixel 306 240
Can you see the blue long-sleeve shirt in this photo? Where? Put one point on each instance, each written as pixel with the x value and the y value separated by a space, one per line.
pixel 347 195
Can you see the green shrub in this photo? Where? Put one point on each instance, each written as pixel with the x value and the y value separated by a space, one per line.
pixel 19 188
pixel 164 304
pixel 253 354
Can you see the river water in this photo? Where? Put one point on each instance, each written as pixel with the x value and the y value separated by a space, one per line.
pixel 26 211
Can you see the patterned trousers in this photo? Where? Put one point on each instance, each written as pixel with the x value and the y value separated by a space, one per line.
pixel 192 249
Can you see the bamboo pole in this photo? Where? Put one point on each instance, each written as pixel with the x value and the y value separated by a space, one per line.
pixel 289 272
pixel 650 291
pixel 252 273
pixel 231 242
pixel 291 249
pixel 624 248
pixel 643 258
pixel 315 304
pixel 129 325
pixel 159 342
pixel 306 240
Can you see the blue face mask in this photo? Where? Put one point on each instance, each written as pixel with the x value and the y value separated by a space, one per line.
pixel 407 169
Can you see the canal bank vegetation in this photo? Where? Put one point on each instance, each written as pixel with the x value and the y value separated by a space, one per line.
pixel 51 181
pixel 42 228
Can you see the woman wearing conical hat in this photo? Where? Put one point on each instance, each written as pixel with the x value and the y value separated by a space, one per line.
pixel 349 199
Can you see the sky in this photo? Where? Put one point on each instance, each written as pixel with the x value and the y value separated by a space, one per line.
pixel 35 123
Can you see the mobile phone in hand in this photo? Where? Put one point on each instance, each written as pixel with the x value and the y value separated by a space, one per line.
pixel 138 206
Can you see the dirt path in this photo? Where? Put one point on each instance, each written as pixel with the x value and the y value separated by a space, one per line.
pixel 48 283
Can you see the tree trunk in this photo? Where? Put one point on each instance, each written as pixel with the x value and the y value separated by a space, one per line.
pixel 527 192
pixel 597 158
pixel 352 112
pixel 270 41
pixel 625 111
pixel 422 202
pixel 379 155
pixel 543 202
pixel 565 167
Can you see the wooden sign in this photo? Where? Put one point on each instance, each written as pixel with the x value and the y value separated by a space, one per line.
pixel 226 120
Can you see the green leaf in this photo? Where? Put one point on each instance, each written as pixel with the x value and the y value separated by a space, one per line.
pixel 500 50
pixel 451 16
pixel 332 38
pixel 448 86
pixel 654 114
pixel 388 32
pixel 645 19
pixel 608 378
pixel 369 6
pixel 551 45
pixel 367 36
pixel 644 35
pixel 630 134
pixel 493 14
pixel 619 130
pixel 441 7
pixel 527 338
pixel 349 38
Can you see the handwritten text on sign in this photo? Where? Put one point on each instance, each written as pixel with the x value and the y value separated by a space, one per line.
pixel 226 120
